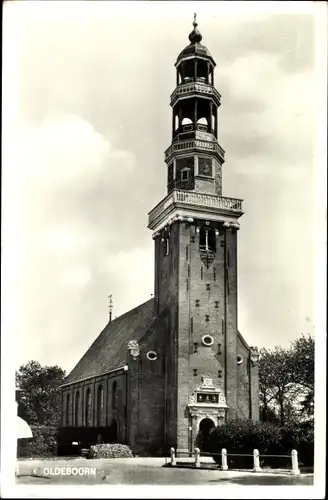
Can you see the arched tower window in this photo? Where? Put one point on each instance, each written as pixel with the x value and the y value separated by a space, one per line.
pixel 114 394
pixel 68 409
pixel 77 409
pixel 100 406
pixel 176 122
pixel 166 242
pixel 207 245
pixel 207 239
pixel 88 408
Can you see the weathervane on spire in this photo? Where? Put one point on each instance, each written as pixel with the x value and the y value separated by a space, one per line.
pixel 195 36
pixel 110 307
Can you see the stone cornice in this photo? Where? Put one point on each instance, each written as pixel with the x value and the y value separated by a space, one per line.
pixel 184 206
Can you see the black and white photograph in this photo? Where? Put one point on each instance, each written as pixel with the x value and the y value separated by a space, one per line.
pixel 164 249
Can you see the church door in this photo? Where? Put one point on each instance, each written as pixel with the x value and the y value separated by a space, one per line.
pixel 113 431
pixel 205 426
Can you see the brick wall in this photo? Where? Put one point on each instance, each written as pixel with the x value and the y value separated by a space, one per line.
pixel 203 185
pixel 167 305
pixel 243 381
pixel 231 322
pixel 198 300
pixel 147 393
pixel 201 312
pixel 218 177
pixel 108 413
pixel 186 162
pixel 254 381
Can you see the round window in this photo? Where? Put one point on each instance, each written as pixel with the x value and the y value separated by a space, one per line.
pixel 240 359
pixel 207 340
pixel 152 355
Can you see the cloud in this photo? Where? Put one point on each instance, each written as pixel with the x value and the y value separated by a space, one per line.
pixel 85 164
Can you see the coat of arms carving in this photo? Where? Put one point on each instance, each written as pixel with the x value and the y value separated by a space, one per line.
pixel 254 355
pixel 207 381
pixel 134 348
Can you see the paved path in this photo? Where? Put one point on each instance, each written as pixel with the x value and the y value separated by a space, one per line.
pixel 143 471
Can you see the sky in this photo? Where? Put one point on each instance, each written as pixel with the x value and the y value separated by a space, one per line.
pixel 87 124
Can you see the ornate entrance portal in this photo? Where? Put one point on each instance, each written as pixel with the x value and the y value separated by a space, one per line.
pixel 207 407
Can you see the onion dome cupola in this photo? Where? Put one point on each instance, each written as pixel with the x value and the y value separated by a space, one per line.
pixel 195 61
pixel 195 157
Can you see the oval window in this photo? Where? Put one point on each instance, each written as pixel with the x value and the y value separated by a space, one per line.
pixel 152 355
pixel 240 359
pixel 207 340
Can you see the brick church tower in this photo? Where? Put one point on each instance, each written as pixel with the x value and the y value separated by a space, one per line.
pixel 211 373
pixel 166 372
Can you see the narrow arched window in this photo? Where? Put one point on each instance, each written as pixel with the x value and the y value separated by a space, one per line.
pixel 211 240
pixel 185 174
pixel 77 409
pixel 88 408
pixel 166 243
pixel 114 394
pixel 202 124
pixel 176 123
pixel 100 405
pixel 207 239
pixel 68 409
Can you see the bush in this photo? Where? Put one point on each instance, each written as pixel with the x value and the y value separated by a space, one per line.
pixel 300 437
pixel 242 437
pixel 110 451
pixel 42 444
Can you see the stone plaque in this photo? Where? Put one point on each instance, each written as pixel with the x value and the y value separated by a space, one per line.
pixel 207 398
pixel 205 167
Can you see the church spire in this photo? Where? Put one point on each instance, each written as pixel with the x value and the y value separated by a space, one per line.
pixel 195 157
pixel 195 36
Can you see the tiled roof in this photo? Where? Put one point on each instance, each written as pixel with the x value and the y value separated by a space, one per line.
pixel 109 350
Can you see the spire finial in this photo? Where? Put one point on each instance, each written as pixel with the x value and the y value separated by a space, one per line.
pixel 110 307
pixel 195 36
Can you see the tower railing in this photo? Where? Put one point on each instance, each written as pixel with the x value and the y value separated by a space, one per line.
pixel 199 199
pixel 193 144
pixel 190 88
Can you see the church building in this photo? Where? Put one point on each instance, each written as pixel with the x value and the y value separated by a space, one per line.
pixel 169 370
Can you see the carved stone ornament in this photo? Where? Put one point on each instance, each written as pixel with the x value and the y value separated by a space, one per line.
pixel 207 257
pixel 236 225
pixel 192 399
pixel 254 355
pixel 206 397
pixel 207 382
pixel 176 218
pixel 134 349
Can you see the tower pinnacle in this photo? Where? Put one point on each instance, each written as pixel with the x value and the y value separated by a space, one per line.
pixel 195 36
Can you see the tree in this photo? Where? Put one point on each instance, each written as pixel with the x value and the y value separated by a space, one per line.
pixel 302 370
pixel 40 403
pixel 286 379
pixel 276 388
pixel 266 386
